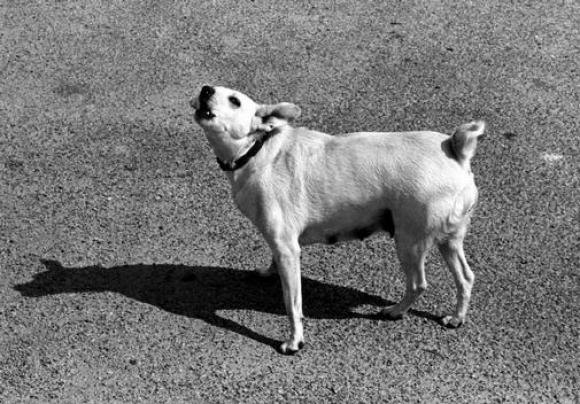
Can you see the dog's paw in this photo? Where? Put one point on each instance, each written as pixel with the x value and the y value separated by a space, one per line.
pixel 267 272
pixel 290 347
pixel 391 313
pixel 452 321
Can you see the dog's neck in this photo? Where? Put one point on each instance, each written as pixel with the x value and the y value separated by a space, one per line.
pixel 227 149
pixel 246 156
pixel 232 155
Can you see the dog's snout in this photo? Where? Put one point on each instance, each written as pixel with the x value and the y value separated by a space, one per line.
pixel 206 93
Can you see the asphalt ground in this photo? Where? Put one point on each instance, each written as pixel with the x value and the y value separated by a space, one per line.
pixel 126 267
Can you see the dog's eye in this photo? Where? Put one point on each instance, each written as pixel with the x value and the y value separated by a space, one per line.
pixel 235 101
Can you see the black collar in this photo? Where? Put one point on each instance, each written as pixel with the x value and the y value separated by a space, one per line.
pixel 239 163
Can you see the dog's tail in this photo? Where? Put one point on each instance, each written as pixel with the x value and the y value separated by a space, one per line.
pixel 464 142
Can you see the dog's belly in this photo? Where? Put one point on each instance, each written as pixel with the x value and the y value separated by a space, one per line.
pixel 333 231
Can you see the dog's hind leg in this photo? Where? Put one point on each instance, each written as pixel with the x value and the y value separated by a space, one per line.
pixel 452 251
pixel 412 257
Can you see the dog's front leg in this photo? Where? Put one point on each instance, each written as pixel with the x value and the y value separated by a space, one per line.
pixel 286 253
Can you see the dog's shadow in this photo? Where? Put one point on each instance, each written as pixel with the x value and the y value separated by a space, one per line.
pixel 201 292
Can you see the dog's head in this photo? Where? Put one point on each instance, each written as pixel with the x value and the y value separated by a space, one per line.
pixel 233 116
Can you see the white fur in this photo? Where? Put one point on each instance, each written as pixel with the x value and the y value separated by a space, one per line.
pixel 307 187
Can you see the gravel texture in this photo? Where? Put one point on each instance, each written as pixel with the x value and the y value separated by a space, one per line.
pixel 125 265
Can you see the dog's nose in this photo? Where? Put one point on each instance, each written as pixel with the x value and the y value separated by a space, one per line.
pixel 206 93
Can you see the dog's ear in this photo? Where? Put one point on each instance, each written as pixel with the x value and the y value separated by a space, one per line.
pixel 283 110
pixel 269 117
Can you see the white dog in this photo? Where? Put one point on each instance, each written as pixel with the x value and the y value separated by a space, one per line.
pixel 300 187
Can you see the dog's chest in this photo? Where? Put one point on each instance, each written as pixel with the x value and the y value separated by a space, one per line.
pixel 248 201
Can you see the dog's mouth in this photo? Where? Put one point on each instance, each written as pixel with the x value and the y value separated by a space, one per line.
pixel 204 113
pixel 202 109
